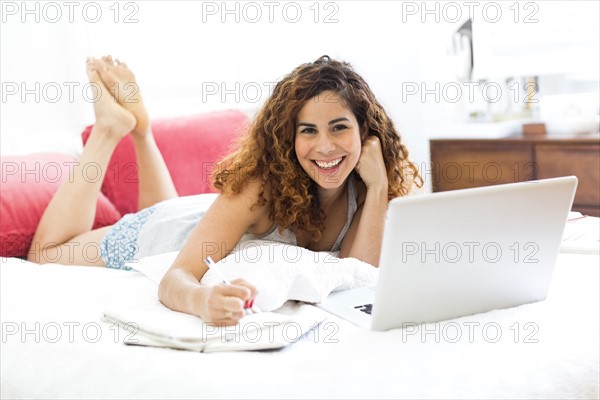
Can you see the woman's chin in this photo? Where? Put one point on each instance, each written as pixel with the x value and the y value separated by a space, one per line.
pixel 331 181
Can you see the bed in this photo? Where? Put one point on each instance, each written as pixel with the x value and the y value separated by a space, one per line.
pixel 55 345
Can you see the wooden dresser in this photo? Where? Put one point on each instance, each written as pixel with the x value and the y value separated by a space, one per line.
pixel 467 163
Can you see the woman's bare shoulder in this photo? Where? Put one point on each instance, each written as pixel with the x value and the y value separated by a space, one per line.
pixel 254 201
pixel 252 192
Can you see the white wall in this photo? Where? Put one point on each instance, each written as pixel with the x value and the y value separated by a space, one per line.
pixel 179 49
pixel 175 55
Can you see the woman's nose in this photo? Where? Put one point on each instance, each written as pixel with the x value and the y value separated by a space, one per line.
pixel 325 144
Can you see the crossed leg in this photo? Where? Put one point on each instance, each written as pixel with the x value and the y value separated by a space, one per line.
pixel 155 183
pixel 64 234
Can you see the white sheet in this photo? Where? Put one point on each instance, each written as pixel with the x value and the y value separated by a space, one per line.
pixel 337 361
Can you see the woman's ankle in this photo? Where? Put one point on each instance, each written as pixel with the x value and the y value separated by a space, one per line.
pixel 103 139
pixel 147 139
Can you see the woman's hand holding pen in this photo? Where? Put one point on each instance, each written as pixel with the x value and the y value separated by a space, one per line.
pixel 225 304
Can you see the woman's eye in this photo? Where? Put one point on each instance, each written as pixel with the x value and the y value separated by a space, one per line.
pixel 307 130
pixel 339 127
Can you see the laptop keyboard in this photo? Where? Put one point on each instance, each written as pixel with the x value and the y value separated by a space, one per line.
pixel 366 308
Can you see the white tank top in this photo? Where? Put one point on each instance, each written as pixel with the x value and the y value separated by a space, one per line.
pixel 288 237
pixel 172 222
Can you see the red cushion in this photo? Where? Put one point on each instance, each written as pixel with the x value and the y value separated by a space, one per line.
pixel 28 184
pixel 189 145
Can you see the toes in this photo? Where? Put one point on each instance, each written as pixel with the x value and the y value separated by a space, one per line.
pixel 97 64
pixel 115 76
pixel 92 72
pixel 109 63
pixel 106 64
pixel 120 63
pixel 93 76
pixel 90 61
pixel 108 60
pixel 104 70
pixel 97 84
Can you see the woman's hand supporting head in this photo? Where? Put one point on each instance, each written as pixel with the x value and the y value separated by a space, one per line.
pixel 371 166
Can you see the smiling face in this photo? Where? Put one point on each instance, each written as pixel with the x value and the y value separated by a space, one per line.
pixel 327 140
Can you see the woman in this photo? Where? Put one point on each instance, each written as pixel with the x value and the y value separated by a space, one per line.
pixel 316 169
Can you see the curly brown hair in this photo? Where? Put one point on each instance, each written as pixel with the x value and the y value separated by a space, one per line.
pixel 266 153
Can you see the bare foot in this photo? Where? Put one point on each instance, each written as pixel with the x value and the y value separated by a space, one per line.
pixel 114 120
pixel 121 82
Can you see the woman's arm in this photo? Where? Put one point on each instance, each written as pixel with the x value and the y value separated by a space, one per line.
pixel 215 235
pixel 365 235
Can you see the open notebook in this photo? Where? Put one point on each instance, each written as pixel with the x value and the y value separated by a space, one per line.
pixel 161 327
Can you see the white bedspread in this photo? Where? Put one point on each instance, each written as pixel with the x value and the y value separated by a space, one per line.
pixel 54 345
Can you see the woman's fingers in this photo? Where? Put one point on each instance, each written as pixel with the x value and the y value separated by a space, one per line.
pixel 232 315
pixel 249 301
pixel 371 166
pixel 233 303
pixel 236 289
pixel 246 284
pixel 227 302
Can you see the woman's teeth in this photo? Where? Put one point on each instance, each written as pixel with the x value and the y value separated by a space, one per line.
pixel 330 164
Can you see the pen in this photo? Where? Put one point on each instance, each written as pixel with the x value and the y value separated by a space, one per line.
pixel 213 266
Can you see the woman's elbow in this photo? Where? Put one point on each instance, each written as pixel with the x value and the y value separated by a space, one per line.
pixel 163 288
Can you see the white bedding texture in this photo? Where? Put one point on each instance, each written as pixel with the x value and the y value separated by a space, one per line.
pixel 55 345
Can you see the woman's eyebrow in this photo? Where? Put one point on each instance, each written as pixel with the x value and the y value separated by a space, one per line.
pixel 333 121
pixel 306 124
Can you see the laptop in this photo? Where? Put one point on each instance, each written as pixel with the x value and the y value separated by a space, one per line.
pixel 451 254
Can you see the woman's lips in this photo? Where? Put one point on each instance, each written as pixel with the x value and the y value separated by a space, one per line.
pixel 331 169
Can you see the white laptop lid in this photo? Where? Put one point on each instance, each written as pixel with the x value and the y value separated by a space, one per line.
pixel 467 251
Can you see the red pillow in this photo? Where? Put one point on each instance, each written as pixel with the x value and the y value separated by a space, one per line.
pixel 28 184
pixel 189 145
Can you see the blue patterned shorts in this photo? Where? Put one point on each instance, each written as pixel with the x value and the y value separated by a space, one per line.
pixel 120 244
